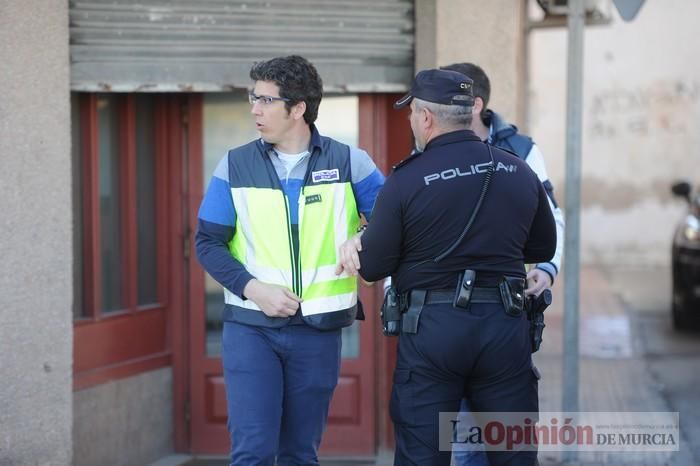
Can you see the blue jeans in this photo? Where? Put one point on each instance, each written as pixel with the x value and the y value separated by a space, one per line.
pixel 468 454
pixel 279 384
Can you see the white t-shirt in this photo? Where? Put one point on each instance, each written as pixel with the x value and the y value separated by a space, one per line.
pixel 291 160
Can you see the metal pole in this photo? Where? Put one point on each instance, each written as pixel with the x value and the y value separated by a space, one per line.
pixel 574 98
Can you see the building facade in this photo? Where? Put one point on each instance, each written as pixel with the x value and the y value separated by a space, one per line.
pixel 113 115
pixel 641 108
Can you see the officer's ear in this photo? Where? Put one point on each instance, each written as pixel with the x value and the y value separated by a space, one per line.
pixel 478 106
pixel 422 115
pixel 427 117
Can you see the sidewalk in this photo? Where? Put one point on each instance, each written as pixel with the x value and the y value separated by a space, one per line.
pixel 613 375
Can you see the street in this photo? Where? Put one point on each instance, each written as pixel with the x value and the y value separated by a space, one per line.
pixel 630 360
pixel 673 362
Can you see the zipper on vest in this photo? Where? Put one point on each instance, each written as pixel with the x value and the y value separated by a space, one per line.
pixel 295 278
pixel 304 184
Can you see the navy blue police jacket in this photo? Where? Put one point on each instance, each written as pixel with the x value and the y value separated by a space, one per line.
pixel 426 203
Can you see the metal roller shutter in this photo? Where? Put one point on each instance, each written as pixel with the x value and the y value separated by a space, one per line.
pixel 209 45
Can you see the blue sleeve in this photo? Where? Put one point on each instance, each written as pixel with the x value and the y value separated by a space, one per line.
pixel 215 229
pixel 366 192
pixel 211 242
pixel 367 180
pixel 217 205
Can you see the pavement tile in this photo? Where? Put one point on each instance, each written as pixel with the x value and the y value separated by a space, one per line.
pixel 613 375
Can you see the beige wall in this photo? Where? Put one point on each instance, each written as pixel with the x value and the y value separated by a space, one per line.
pixel 486 33
pixel 126 422
pixel 641 111
pixel 35 235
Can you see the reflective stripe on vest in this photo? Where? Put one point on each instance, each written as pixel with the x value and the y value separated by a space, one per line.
pixel 263 243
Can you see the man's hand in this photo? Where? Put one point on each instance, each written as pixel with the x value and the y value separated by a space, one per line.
pixel 348 257
pixel 273 300
pixel 537 281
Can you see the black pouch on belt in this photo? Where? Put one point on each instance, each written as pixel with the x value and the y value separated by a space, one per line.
pixel 391 313
pixel 463 293
pixel 513 294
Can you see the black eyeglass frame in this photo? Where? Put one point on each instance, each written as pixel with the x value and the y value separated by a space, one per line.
pixel 265 99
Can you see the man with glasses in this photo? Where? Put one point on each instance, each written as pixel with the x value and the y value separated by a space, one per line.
pixel 270 224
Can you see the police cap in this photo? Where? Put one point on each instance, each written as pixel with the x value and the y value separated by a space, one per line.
pixel 441 87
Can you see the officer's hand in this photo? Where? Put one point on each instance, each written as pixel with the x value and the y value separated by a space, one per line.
pixel 537 281
pixel 274 300
pixel 348 257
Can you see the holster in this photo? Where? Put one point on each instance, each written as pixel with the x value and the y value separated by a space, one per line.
pixel 411 317
pixel 512 294
pixel 535 307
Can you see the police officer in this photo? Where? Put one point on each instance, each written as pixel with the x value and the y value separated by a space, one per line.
pixel 461 275
pixel 492 128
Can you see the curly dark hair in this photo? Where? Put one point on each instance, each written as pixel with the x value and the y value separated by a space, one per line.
pixel 481 86
pixel 297 79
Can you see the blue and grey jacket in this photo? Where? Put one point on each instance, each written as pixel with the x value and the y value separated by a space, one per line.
pixel 257 220
pixel 505 135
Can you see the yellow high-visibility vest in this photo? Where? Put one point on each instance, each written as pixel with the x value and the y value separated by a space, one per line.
pixel 263 243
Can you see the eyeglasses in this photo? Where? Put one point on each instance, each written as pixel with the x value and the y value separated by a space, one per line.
pixel 265 99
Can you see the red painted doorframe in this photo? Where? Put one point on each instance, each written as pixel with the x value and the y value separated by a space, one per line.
pixel 386 134
pixel 185 146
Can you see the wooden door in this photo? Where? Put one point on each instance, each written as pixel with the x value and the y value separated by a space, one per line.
pixel 218 122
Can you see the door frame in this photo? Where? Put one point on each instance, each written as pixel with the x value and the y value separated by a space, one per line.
pixel 185 133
